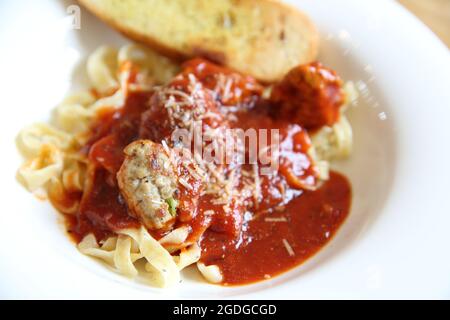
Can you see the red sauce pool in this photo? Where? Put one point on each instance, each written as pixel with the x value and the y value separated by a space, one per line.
pixel 311 220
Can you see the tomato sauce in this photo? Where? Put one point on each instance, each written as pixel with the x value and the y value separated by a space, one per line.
pixel 307 223
pixel 287 227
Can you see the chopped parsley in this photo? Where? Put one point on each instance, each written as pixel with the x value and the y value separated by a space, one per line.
pixel 173 204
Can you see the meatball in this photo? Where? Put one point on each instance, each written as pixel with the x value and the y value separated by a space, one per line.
pixel 229 87
pixel 309 95
pixel 179 105
pixel 148 181
pixel 158 185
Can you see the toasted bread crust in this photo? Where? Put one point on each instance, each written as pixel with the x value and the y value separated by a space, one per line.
pixel 266 39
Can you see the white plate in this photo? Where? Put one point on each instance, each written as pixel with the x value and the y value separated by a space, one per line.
pixel 395 244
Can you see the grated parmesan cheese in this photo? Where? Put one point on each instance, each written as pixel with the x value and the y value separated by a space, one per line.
pixel 208 212
pixel 288 247
pixel 280 219
pixel 185 184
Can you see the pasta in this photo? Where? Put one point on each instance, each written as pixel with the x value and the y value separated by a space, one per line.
pixel 102 67
pixel 51 164
pixel 334 142
pixel 176 239
pixel 158 258
pixel 73 118
pixel 131 245
pixel 153 68
pixel 188 256
pixel 54 163
pixel 32 139
pixel 37 171
pixel 211 273
pixel 65 203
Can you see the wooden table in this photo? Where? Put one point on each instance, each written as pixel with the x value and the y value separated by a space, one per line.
pixel 434 13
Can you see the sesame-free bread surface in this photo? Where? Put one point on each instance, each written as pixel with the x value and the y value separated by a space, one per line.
pixel 262 38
